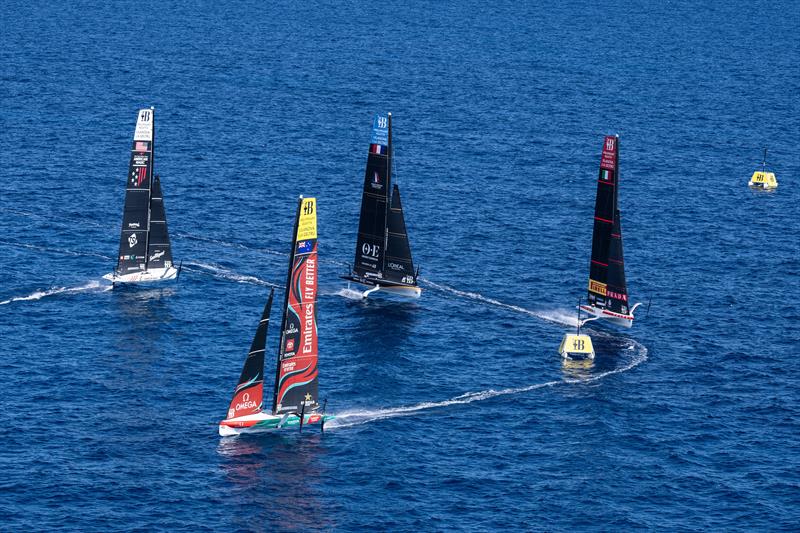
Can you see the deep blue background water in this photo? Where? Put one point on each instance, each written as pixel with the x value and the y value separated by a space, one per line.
pixel 455 411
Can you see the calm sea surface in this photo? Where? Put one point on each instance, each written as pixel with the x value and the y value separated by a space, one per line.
pixel 454 411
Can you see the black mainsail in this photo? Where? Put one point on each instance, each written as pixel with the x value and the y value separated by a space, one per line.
pixel 607 287
pixel 383 253
pixel 133 243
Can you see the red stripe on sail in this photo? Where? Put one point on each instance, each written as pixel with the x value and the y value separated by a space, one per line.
pixel 599 263
pixel 603 220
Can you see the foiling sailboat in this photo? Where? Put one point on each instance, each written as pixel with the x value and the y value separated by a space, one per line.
pixel 608 292
pixel 145 253
pixel 383 255
pixel 294 400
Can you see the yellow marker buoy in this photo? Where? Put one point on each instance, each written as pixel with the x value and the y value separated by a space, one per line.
pixel 577 346
pixel 761 179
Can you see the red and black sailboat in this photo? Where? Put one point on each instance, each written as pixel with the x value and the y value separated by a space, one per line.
pixel 608 291
pixel 145 253
pixel 383 254
pixel 295 400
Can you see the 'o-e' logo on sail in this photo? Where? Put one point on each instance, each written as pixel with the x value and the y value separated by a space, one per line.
pixel 610 144
pixel 308 208
pixel 145 115
pixel 370 250
pixel 382 122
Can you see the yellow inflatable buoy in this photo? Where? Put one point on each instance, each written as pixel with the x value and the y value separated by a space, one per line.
pixel 576 347
pixel 761 179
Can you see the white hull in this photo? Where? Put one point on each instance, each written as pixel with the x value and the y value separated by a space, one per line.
pixel 266 423
pixel 617 319
pixel 394 291
pixel 147 276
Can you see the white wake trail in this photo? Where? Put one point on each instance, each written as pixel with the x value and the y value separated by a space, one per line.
pixel 224 273
pixel 557 316
pixel 55 250
pixel 38 295
pixel 359 417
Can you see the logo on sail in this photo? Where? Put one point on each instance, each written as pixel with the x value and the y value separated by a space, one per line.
pixel 158 255
pixel 132 240
pixel 597 287
pixel 370 250
pixel 377 182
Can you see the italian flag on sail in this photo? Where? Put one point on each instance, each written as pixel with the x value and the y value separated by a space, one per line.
pixel 605 175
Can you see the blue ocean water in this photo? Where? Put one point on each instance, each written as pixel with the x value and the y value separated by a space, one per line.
pixel 455 411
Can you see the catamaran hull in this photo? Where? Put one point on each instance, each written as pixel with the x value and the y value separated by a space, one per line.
pixel 148 276
pixel 610 317
pixel 265 423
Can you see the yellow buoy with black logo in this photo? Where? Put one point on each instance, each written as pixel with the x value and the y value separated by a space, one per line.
pixel 576 346
pixel 761 179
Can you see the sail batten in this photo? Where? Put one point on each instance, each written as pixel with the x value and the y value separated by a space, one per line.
pixel 607 286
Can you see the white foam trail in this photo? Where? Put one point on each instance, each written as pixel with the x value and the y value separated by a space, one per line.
pixel 250 248
pixel 38 295
pixel 350 294
pixel 224 273
pixel 56 250
pixel 557 316
pixel 359 417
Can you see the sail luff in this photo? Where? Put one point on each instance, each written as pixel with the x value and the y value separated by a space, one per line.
pixel 150 192
pixel 389 157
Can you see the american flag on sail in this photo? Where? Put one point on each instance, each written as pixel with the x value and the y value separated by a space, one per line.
pixel 138 176
pixel 141 146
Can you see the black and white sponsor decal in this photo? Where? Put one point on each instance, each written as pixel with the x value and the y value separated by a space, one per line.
pixel 371 251
pixel 157 255
pixel 132 240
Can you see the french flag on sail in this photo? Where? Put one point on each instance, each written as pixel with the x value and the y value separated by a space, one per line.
pixel 377 149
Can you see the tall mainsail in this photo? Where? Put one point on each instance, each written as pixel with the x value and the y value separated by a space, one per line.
pixel 248 396
pixel 607 287
pixel 159 252
pixel 133 244
pixel 296 374
pixel 371 242
pixel 398 264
